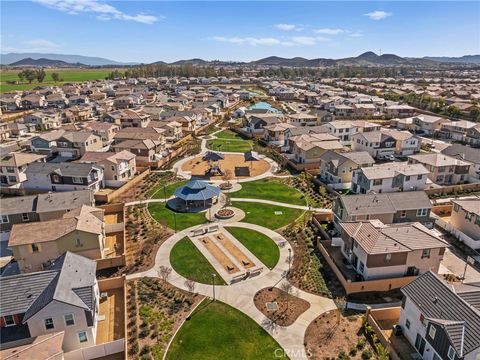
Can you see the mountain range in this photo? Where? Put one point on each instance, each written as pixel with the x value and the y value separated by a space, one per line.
pixel 368 58
pixel 42 62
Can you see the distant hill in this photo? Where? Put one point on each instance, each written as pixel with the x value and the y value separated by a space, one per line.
pixel 7 59
pixel 191 62
pixel 474 59
pixel 42 62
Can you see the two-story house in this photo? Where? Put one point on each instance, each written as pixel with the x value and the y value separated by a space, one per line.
pixel 386 142
pixel 443 169
pixel 44 121
pixel 118 167
pixel 13 167
pixel 308 148
pixel 467 154
pixel 146 151
pixel 390 177
pixel 64 297
pixel 345 129
pixel 465 218
pixel 73 144
pixel 63 177
pixel 442 321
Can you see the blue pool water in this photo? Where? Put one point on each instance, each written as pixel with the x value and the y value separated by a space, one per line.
pixel 263 105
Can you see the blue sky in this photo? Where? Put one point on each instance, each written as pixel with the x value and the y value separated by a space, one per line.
pixel 147 31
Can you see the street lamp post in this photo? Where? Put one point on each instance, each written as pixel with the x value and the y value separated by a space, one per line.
pixel 213 285
pixel 175 220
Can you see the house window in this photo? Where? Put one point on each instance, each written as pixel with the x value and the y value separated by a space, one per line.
pixel 56 178
pixel 4 219
pixel 9 320
pixel 432 332
pixel 82 337
pixel 403 213
pixel 407 178
pixel 69 320
pixel 77 180
pixel 419 177
pixel 477 220
pixel 451 353
pixel 468 215
pixel 407 324
pixel 377 182
pixel 25 217
pixel 361 267
pixel 426 253
pixel 388 257
pixel 113 168
pixel 78 242
pixel 35 248
pixel 456 207
pixel 49 324
pixel 422 212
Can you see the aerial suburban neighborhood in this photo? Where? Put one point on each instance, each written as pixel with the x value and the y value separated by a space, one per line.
pixel 281 208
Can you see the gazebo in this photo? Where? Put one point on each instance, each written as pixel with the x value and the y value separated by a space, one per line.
pixel 198 194
pixel 213 166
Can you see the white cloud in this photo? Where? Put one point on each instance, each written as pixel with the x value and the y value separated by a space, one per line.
pixel 103 10
pixel 288 27
pixel 378 15
pixel 42 43
pixel 328 31
pixel 355 34
pixel 304 40
pixel 270 41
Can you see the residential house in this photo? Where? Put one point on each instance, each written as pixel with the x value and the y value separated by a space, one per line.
pixel 73 144
pixel 17 129
pixel 146 151
pixel 64 297
pixel 5 131
pixel 36 244
pixel 399 111
pixel 465 218
pixel 275 134
pixel 127 118
pixel 118 167
pixel 43 121
pixel 386 142
pixel 149 133
pixel 173 130
pixel 441 320
pixel 443 169
pixel 390 177
pixel 33 101
pixel 255 123
pixel 467 154
pixel 63 177
pixel 345 129
pixel 380 251
pixel 106 131
pixel 303 119
pixel 307 149
pixel 456 130
pixel 13 167
pixel 473 136
pixel 389 208
pixel 46 143
pixel 428 124
pixel 336 169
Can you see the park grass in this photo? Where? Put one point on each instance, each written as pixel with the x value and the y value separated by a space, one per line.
pixel 68 75
pixel 158 193
pixel 216 330
pixel 162 214
pixel 229 135
pixel 270 189
pixel 189 262
pixel 259 244
pixel 230 145
pixel 264 214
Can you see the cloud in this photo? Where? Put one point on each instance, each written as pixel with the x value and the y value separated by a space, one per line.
pixel 288 27
pixel 304 40
pixel 103 10
pixel 271 41
pixel 378 15
pixel 328 31
pixel 355 34
pixel 42 43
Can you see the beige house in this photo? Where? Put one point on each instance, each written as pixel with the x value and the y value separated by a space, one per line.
pixel 81 231
pixel 303 119
pixel 118 167
pixel 76 143
pixel 444 169
pixel 106 131
pixel 465 217
pixel 275 134
pixel 13 166
pixel 308 148
pixel 173 129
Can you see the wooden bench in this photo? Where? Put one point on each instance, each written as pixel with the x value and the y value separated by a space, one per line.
pixel 199 232
pixel 255 272
pixel 237 278
pixel 213 228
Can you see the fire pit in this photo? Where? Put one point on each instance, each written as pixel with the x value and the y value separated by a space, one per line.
pixel 225 214
pixel 226 186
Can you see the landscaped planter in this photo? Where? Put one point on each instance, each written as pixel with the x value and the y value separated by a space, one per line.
pixel 226 186
pixel 225 214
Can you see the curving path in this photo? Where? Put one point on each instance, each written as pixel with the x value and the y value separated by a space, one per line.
pixel 240 295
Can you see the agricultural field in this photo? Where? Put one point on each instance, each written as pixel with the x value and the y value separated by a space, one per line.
pixel 68 75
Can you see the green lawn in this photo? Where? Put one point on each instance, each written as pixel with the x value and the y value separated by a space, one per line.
pixel 162 214
pixel 230 145
pixel 68 75
pixel 264 214
pixel 228 135
pixel 219 331
pixel 189 262
pixel 270 189
pixel 259 244
pixel 169 190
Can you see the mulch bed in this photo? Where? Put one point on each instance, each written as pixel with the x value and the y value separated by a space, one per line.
pixel 284 315
pixel 331 334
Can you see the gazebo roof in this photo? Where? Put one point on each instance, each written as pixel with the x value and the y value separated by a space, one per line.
pixel 197 190
pixel 251 156
pixel 213 156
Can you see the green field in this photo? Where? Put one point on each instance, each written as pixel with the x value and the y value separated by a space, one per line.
pixel 270 189
pixel 218 331
pixel 189 262
pixel 265 214
pixel 259 244
pixel 158 193
pixel 228 135
pixel 68 75
pixel 230 145
pixel 162 214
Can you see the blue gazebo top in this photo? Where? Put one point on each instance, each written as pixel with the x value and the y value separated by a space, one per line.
pixel 213 156
pixel 197 190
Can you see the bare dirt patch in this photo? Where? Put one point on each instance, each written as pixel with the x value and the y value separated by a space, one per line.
pixel 289 307
pixel 197 167
pixel 332 335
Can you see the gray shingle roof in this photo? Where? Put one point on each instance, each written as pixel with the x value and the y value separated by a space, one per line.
pixel 438 302
pixel 63 169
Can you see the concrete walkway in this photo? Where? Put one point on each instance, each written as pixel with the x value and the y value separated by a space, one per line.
pixel 299 207
pixel 240 295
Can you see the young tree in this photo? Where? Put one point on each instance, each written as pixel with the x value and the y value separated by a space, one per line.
pixel 55 76
pixel 286 287
pixel 164 272
pixel 20 76
pixel 30 75
pixel 227 176
pixel 40 75
pixel 190 284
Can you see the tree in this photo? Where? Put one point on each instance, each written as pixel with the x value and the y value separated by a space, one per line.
pixel 164 272
pixel 40 75
pixel 20 76
pixel 286 287
pixel 190 284
pixel 55 76
pixel 475 114
pixel 227 176
pixel 30 75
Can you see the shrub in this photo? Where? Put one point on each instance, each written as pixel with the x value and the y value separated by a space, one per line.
pixel 133 348
pixel 353 351
pixel 145 349
pixel 361 344
pixel 366 355
pixel 343 356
